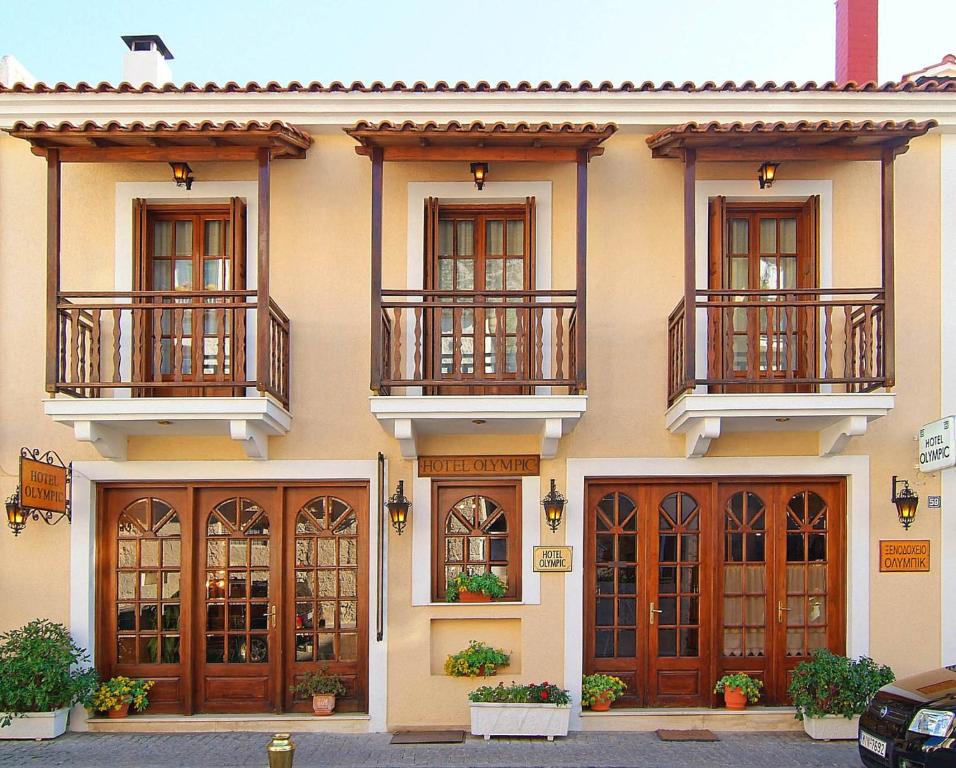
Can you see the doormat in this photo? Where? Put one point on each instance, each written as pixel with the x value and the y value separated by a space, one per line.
pixel 701 734
pixel 428 737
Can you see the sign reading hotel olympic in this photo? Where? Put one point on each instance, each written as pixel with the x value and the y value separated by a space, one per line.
pixel 937 445
pixel 904 556
pixel 456 466
pixel 43 485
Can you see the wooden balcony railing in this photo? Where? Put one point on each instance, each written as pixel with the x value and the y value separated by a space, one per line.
pixel 766 341
pixel 167 342
pixel 495 340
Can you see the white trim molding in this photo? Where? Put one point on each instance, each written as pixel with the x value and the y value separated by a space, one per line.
pixel 86 474
pixel 947 286
pixel 548 416
pixel 835 417
pixel 422 542
pixel 856 470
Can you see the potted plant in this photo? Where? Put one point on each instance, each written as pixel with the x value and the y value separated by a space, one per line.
pixel 476 660
pixel 830 692
pixel 115 697
pixel 598 692
pixel 738 688
pixel 42 674
pixel 475 588
pixel 323 687
pixel 532 709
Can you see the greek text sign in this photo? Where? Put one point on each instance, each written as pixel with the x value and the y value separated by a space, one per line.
pixel 904 555
pixel 937 445
pixel 42 486
pixel 552 559
pixel 456 466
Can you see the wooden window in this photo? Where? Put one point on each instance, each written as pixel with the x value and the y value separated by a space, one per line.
pixel 196 251
pixel 477 529
pixel 148 564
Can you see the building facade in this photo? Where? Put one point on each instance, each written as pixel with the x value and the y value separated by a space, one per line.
pixel 722 376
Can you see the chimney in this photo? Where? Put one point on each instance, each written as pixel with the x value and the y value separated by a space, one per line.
pixel 856 40
pixel 13 72
pixel 146 60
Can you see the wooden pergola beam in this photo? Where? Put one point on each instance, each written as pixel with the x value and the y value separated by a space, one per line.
pixel 52 264
pixel 520 154
pixel 159 154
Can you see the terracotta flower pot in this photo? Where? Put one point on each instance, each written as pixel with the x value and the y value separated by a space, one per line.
pixel 602 703
pixel 123 711
pixel 323 704
pixel 465 596
pixel 735 698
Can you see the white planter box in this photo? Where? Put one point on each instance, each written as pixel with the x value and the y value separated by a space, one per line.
pixel 489 719
pixel 832 727
pixel 37 725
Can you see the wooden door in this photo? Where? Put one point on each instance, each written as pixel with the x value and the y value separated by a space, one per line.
pixel 678 574
pixel 481 253
pixel 239 546
pixel 769 247
pixel 143 567
pixel 183 250
pixel 325 616
pixel 615 606
pixel 811 575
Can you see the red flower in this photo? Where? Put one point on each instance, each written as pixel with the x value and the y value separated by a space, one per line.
pixel 544 695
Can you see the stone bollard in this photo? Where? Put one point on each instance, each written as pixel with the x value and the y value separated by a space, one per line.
pixel 281 751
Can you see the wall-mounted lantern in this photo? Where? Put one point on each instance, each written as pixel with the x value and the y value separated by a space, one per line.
pixel 479 171
pixel 182 175
pixel 906 501
pixel 553 504
pixel 398 508
pixel 766 174
pixel 16 515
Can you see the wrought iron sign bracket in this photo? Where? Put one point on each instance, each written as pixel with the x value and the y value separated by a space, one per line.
pixel 43 495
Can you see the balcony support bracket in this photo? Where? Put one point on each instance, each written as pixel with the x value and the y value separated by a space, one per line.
pixel 110 443
pixel 404 431
pixel 699 436
pixel 551 434
pixel 833 439
pixel 254 440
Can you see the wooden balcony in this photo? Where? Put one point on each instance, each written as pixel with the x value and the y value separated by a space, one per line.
pixel 168 343
pixel 492 342
pixel 808 340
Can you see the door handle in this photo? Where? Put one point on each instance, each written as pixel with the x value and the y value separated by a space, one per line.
pixel 272 614
pixel 780 610
pixel 653 611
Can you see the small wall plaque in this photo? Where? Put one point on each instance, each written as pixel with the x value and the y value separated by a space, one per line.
pixel 552 559
pixel 904 555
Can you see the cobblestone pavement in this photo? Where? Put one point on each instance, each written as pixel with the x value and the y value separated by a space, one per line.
pixel 579 750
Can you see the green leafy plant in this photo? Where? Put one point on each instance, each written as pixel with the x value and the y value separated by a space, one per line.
pixel 476 660
pixel 594 687
pixel 516 693
pixel 318 683
pixel 747 685
pixel 829 684
pixel 485 583
pixel 119 690
pixel 42 669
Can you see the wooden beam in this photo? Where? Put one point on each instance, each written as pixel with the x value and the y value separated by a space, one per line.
pixel 889 289
pixel 474 154
pixel 774 153
pixel 581 274
pixel 52 265
pixel 376 352
pixel 151 154
pixel 262 277
pixel 690 270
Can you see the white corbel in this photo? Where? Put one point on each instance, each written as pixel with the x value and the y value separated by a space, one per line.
pixel 254 440
pixel 110 443
pixel 551 434
pixel 404 431
pixel 833 439
pixel 699 435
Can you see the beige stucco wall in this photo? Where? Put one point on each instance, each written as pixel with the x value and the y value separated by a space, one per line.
pixel 320 277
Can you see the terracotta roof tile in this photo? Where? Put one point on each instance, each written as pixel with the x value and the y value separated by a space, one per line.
pixel 482 86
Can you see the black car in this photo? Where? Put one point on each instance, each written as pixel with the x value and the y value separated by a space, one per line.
pixel 911 723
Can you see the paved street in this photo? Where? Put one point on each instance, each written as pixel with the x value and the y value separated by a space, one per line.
pixel 580 750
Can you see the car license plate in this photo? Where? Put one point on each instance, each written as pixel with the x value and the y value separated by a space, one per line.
pixel 875 745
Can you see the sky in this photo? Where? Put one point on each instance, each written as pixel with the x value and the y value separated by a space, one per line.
pixel 452 40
